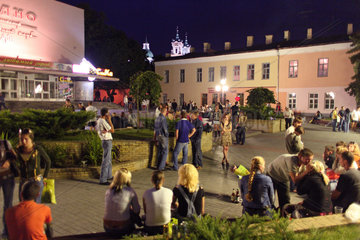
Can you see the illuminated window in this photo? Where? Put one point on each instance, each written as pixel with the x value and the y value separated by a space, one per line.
pixel 292 100
pixel 199 75
pixel 329 100
pixel 293 69
pixel 237 73
pixel 166 76
pixel 211 74
pixel 250 71
pixel 265 70
pixel 182 75
pixel 313 100
pixel 323 67
pixel 222 72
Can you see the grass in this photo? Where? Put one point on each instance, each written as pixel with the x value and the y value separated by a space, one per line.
pixel 348 232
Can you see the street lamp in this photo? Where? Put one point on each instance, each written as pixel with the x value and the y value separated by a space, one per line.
pixel 223 88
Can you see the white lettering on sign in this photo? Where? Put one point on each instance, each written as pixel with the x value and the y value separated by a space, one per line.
pixel 17 13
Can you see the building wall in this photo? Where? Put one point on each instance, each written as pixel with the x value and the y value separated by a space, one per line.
pixel 49 31
pixel 193 90
pixel 340 71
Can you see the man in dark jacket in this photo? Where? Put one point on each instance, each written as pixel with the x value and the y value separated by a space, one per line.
pixel 196 140
pixel 174 105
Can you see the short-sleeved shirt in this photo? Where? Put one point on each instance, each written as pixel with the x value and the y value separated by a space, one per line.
pixel 183 206
pixel 184 127
pixel 26 221
pixel 102 124
pixel 349 187
pixel 280 168
pixel 158 206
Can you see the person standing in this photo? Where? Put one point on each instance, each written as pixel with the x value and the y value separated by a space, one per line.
pixel 69 106
pixel 2 101
pixel 29 158
pixel 285 166
pixel 226 140
pixel 341 115
pixel 161 137
pixel 174 105
pixel 288 115
pixel 184 131
pixel 92 122
pixel 346 120
pixel 81 106
pixel 105 128
pixel 215 118
pixel 28 219
pixel 126 102
pixel 334 117
pixel 354 119
pixel 241 129
pixel 235 114
pixel 196 140
pixel 8 172
pixel 293 141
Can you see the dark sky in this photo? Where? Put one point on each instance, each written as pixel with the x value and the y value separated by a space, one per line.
pixel 218 21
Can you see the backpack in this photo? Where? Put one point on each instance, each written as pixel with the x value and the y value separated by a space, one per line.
pixel 191 211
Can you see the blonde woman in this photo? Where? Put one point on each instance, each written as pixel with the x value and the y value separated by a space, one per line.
pixel 188 198
pixel 353 147
pixel 316 187
pixel 257 189
pixel 120 200
pixel 226 140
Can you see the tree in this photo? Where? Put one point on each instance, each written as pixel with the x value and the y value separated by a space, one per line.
pixel 354 87
pixel 145 86
pixel 259 97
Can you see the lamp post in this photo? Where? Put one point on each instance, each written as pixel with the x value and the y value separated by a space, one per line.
pixel 223 88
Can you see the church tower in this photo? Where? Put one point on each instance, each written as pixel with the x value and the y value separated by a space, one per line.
pixel 149 54
pixel 177 45
pixel 187 46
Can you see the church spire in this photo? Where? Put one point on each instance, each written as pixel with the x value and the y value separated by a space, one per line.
pixel 177 34
pixel 186 41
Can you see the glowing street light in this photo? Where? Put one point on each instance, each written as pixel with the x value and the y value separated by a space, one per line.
pixel 223 88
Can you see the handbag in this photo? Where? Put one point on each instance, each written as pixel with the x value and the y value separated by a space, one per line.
pixel 48 194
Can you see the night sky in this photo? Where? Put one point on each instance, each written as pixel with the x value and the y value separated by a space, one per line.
pixel 218 21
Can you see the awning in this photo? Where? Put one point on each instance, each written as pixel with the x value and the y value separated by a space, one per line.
pixel 57 73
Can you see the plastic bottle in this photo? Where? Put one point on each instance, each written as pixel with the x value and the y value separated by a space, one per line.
pixel 237 196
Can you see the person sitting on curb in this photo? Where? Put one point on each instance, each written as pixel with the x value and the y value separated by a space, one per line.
pixel 27 219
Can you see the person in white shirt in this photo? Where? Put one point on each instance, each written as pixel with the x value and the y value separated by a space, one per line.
pixel 105 128
pixel 157 205
pixel 288 115
pixel 92 122
pixel 126 102
pixel 354 119
pixel 297 122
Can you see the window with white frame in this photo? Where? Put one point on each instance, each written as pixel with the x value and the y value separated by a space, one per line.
pixel 265 70
pixel 182 75
pixel 211 74
pixel 292 101
pixel 237 73
pixel 199 75
pixel 329 100
pixel 167 76
pixel 293 69
pixel 323 67
pixel 222 72
pixel 313 100
pixel 250 71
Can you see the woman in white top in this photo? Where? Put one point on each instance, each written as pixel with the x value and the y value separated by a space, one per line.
pixel 120 200
pixel 157 205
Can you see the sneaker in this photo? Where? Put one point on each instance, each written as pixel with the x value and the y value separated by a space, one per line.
pixel 104 183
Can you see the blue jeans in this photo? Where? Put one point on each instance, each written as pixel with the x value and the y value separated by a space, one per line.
pixel 346 126
pixel 333 123
pixel 8 186
pixel 41 183
pixel 180 146
pixel 163 143
pixel 106 167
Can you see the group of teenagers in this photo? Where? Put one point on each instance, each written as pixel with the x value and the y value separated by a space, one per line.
pixel 308 177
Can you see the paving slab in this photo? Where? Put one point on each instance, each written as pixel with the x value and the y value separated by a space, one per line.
pixel 80 203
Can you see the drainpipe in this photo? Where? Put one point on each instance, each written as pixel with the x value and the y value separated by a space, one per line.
pixel 278 75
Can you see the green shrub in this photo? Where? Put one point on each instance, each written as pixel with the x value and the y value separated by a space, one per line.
pixel 44 123
pixel 92 148
pixel 58 154
pixel 264 112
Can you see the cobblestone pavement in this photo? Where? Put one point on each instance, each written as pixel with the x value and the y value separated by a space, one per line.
pixel 80 203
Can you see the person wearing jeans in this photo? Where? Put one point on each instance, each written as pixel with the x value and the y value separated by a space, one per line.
pixel 184 131
pixel 105 128
pixel 334 116
pixel 161 137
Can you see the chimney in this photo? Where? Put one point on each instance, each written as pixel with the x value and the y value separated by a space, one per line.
pixel 249 41
pixel 309 33
pixel 192 49
pixel 227 46
pixel 268 39
pixel 350 29
pixel 167 55
pixel 206 47
pixel 287 35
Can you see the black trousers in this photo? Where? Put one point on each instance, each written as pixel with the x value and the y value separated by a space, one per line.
pixel 197 153
pixel 240 135
pixel 287 122
pixel 283 192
